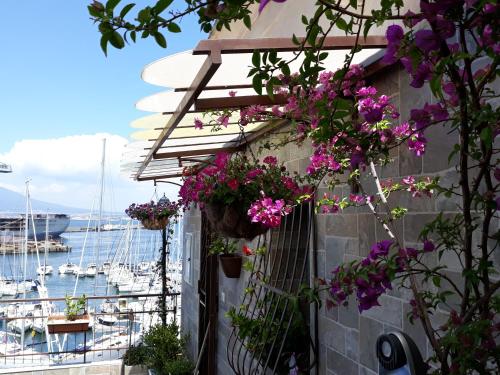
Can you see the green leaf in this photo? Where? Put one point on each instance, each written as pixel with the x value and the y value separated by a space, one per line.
pixel 126 9
pixel 257 84
pixel 486 136
pixel 111 5
pixel 161 5
pixel 116 40
pixel 273 57
pixel 436 280
pixel 104 44
pixel 342 24
pixel 247 21
pixel 160 39
pixel 173 27
pixel 285 69
pixel 133 35
pixel 256 58
pixel 94 11
pixel 144 15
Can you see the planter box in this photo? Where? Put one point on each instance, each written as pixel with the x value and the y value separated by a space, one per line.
pixel 59 324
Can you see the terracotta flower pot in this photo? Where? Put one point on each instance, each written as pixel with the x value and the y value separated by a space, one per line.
pixel 231 265
pixel 230 221
pixel 59 324
pixel 156 223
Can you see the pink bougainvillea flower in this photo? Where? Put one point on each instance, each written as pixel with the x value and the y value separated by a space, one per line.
pixel 271 160
pixel 497 173
pixel 198 124
pixel 427 40
pixel 263 3
pixel 394 34
pixel 428 246
pixel 221 159
pixel 223 120
pixel 232 93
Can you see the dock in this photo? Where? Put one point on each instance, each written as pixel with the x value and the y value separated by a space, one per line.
pixel 17 247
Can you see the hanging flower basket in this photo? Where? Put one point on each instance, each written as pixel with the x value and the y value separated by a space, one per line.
pixel 229 221
pixel 156 223
pixel 231 265
pixel 60 324
pixel 153 216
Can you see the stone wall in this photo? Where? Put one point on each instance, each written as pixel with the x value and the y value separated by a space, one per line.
pixel 347 338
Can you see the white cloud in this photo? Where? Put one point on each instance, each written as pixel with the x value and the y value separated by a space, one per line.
pixel 66 171
pixel 75 156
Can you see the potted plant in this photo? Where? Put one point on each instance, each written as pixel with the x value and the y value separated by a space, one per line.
pixel 243 198
pixel 153 216
pixel 134 360
pixel 229 260
pixel 75 319
pixel 166 354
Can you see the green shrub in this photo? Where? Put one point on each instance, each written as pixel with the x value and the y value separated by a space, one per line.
pixel 135 355
pixel 165 347
pixel 180 366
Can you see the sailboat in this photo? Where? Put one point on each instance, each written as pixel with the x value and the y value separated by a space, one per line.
pixel 68 268
pixel 45 270
pixel 91 270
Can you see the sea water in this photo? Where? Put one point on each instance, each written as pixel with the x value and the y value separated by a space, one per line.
pixel 86 247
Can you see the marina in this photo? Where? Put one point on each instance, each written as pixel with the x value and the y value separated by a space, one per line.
pixel 117 272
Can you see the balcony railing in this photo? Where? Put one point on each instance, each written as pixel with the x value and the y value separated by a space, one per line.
pixel 116 323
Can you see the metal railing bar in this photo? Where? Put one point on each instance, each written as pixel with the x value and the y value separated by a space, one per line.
pixel 292 230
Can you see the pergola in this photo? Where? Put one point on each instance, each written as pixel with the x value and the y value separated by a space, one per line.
pixel 199 81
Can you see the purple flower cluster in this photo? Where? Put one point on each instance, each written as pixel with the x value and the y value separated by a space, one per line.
pixel 372 277
pixel 152 210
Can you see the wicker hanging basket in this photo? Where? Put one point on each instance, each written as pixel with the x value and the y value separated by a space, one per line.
pixel 230 221
pixel 157 223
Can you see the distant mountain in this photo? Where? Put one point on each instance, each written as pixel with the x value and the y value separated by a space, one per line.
pixel 13 202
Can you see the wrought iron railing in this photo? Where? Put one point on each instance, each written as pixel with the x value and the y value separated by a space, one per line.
pixel 116 323
pixel 281 325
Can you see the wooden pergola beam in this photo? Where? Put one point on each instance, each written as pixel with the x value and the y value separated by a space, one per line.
pixel 207 104
pixel 205 151
pixel 206 72
pixel 331 43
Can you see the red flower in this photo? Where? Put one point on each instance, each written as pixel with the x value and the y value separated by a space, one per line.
pixel 233 184
pixel 247 251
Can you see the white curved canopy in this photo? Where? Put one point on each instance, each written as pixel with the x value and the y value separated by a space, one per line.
pixel 200 81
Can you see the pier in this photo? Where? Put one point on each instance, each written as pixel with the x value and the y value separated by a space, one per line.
pixel 17 247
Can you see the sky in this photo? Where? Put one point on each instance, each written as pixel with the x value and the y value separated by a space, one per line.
pixel 60 96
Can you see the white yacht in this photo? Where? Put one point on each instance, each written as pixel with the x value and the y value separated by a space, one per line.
pixel 91 270
pixel 68 269
pixel 105 268
pixel 45 270
pixel 8 289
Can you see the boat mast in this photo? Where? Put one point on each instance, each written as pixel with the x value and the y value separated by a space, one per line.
pixel 100 210
pixel 46 248
pixel 26 223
